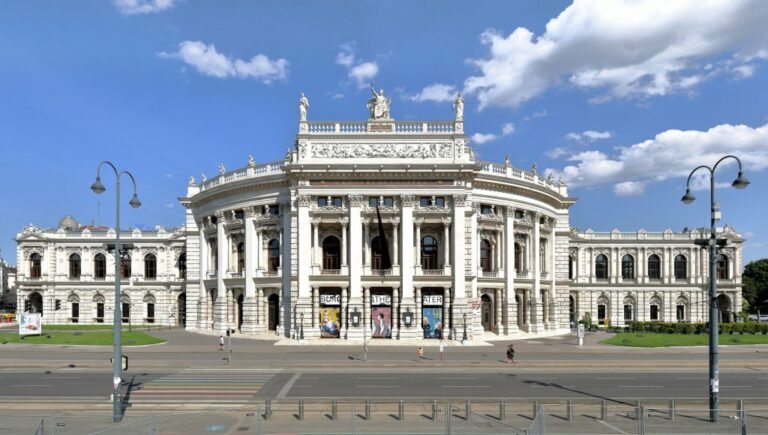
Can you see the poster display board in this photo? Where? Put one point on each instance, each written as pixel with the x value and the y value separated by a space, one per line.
pixel 30 324
pixel 330 315
pixel 381 315
pixel 432 320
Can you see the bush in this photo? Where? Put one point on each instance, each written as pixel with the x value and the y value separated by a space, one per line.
pixel 764 328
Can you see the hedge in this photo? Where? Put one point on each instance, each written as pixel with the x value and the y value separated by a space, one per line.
pixel 694 328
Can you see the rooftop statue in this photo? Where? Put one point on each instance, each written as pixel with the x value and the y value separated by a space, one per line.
pixel 379 105
pixel 303 107
pixel 458 106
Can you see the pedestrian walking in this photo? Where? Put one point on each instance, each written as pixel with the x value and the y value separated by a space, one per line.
pixel 511 353
pixel 221 343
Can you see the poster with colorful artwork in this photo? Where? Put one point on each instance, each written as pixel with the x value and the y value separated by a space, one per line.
pixel 30 324
pixel 381 322
pixel 432 322
pixel 330 324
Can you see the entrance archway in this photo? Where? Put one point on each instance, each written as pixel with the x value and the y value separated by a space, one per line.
pixel 36 303
pixel 273 316
pixel 486 312
pixel 520 307
pixel 181 310
pixel 572 310
pixel 240 311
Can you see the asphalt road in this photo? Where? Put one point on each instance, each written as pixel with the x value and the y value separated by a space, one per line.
pixel 221 385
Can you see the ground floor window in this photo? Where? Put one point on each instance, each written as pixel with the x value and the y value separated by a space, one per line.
pixel 601 309
pixel 432 316
pixel 100 312
pixel 330 313
pixel 654 312
pixel 627 313
pixel 75 312
pixel 150 313
pixel 680 313
pixel 126 312
pixel 381 313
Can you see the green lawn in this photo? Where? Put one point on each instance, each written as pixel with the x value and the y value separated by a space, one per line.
pixel 651 339
pixel 96 327
pixel 133 338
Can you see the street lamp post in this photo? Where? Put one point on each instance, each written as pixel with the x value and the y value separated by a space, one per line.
pixel 464 336
pixel 739 183
pixel 301 328
pixel 98 188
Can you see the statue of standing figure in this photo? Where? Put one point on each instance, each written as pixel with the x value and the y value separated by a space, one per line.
pixel 379 105
pixel 458 106
pixel 303 107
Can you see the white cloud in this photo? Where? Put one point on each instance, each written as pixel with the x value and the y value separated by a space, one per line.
pixel 210 62
pixel 133 7
pixel 588 135
pixel 359 72
pixel 622 48
pixel 629 188
pixel 507 129
pixel 481 138
pixel 672 153
pixel 437 92
pixel 558 152
pixel 534 115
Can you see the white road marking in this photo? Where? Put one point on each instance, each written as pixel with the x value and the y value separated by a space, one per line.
pixel 736 386
pixel 376 386
pixel 453 379
pixel 466 386
pixel 691 379
pixel 32 385
pixel 614 378
pixel 641 386
pixel 288 386
pixel 374 379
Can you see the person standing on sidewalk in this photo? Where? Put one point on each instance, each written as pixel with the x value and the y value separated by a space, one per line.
pixel 511 353
pixel 221 343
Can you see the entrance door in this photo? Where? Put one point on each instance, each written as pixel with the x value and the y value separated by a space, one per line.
pixel 486 312
pixel 572 310
pixel 75 312
pixel 100 312
pixel 274 314
pixel 240 311
pixel 181 309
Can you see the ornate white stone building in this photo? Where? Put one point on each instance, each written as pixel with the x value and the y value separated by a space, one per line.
pixel 68 274
pixel 386 229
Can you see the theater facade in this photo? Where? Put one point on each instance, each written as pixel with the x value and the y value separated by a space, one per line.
pixel 389 229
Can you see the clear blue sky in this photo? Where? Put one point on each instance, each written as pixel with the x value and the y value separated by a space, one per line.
pixel 621 99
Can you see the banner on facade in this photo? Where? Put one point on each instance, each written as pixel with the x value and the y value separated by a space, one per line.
pixel 432 322
pixel 330 324
pixel 434 300
pixel 30 324
pixel 381 322
pixel 381 300
pixel 330 299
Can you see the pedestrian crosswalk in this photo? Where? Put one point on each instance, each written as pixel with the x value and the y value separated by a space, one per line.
pixel 202 386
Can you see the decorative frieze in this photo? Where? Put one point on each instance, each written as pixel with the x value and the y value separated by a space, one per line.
pixel 379 151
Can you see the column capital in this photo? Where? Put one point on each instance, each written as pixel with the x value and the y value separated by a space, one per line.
pixel 511 211
pixel 344 221
pixel 356 200
pixel 303 200
pixel 446 221
pixel 407 200
pixel 460 200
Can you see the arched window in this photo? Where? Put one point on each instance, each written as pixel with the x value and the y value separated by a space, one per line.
pixel 518 257
pixel 629 309
pixel 681 267
pixel 627 267
pixel 240 257
pixel 100 266
pixel 183 266
pixel 150 266
pixel 543 254
pixel 149 302
pixel 377 253
pixel 125 266
pixel 722 266
pixel 429 253
pixel 35 268
pixel 74 266
pixel 654 267
pixel 571 268
pixel 655 308
pixel 485 255
pixel 681 310
pixel 331 253
pixel 273 255
pixel 601 267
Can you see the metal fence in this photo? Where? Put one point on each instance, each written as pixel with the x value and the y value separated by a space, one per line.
pixel 417 417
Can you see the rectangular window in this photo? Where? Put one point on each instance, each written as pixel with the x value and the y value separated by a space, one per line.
pixel 601 314
pixel 274 210
pixel 486 209
pixel 75 312
pixel 654 312
pixel 100 312
pixel 627 312
pixel 126 312
pixel 440 201
pixel 322 201
pixel 239 214
pixel 519 214
pixel 150 313
pixel 424 201
pixel 388 201
pixel 680 313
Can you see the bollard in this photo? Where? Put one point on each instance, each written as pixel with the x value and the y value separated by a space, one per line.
pixel 535 409
pixel 604 411
pixel 354 417
pixel 434 410
pixel 268 410
pixel 569 411
pixel 448 411
pixel 638 407
pixel 502 410
pixel 301 410
pixel 401 410
pixel 333 410
pixel 671 413
pixel 468 411
pixel 641 420
pixel 367 410
pixel 743 418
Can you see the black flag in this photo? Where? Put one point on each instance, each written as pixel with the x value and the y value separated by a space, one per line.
pixel 386 262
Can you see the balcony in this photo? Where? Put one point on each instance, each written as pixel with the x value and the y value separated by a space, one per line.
pixel 330 271
pixel 523 274
pixel 602 280
pixel 270 273
pixel 433 272
pixel 490 274
pixel 381 272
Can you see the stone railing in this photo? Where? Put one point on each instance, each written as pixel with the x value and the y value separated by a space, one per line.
pixel 502 170
pixel 263 170
pixel 643 235
pixel 356 127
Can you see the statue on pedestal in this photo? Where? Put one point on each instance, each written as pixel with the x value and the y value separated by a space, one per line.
pixel 303 107
pixel 379 105
pixel 458 106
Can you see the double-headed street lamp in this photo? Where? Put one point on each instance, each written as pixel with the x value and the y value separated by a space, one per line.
pixel 98 187
pixel 739 183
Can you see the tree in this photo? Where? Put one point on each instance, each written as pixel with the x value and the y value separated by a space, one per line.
pixel 755 282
